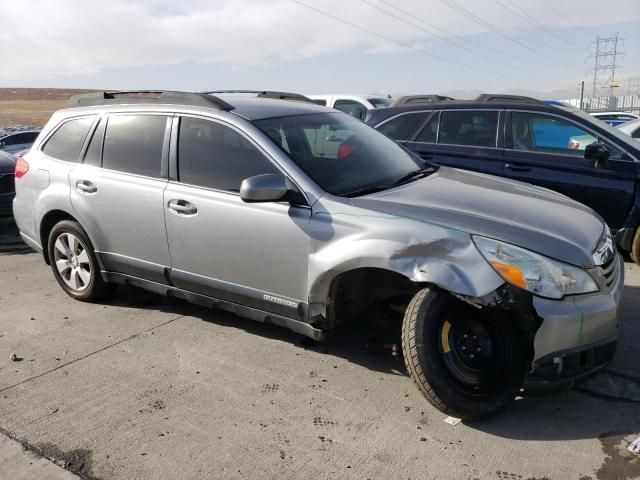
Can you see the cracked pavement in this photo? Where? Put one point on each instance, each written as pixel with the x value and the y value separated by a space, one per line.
pixel 146 387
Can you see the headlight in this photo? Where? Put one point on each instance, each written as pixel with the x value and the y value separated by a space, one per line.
pixel 533 272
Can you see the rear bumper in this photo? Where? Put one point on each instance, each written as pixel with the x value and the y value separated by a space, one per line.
pixel 578 334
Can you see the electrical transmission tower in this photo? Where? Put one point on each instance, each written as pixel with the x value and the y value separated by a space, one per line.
pixel 607 51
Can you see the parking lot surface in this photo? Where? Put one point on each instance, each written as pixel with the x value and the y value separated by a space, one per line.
pixel 145 387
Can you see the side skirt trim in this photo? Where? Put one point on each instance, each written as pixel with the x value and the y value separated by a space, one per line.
pixel 297 326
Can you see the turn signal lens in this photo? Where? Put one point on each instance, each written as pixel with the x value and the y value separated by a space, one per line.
pixel 22 167
pixel 511 274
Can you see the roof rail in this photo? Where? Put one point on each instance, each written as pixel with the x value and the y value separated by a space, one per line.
pixel 147 97
pixel 490 97
pixel 266 94
pixel 419 99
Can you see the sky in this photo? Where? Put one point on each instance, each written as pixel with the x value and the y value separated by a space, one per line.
pixel 313 46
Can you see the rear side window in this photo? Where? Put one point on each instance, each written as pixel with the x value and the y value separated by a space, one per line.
pixel 472 128
pixel 66 142
pixel 215 156
pixel 403 126
pixel 133 144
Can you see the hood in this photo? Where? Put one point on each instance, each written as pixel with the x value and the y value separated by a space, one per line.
pixel 7 162
pixel 518 213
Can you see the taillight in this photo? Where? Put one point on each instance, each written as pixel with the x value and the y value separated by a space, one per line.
pixel 22 167
pixel 573 145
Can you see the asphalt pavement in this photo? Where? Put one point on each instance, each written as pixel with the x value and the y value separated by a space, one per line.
pixel 145 387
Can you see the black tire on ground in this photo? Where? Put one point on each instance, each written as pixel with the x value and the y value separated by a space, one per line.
pixel 465 361
pixel 88 291
pixel 634 253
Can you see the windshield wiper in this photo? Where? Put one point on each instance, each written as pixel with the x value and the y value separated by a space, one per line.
pixel 366 191
pixel 413 175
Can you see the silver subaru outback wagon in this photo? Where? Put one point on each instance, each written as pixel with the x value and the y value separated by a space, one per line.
pixel 290 213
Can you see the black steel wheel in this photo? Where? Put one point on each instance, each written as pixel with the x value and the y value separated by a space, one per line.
pixel 466 361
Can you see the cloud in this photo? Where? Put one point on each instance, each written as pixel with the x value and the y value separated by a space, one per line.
pixel 51 38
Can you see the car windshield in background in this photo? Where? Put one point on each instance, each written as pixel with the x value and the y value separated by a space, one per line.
pixel 380 102
pixel 341 154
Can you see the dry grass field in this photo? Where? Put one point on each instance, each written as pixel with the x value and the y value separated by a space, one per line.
pixel 31 106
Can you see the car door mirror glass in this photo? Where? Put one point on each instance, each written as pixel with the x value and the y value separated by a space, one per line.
pixel 597 152
pixel 268 187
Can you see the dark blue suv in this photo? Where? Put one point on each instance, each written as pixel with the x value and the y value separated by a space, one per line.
pixel 554 146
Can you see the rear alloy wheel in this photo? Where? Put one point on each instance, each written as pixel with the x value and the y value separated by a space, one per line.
pixel 467 362
pixel 74 263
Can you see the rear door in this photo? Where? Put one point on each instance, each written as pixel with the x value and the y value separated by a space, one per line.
pixel 548 150
pixel 467 139
pixel 117 193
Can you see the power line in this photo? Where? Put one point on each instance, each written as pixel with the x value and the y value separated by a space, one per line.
pixel 523 15
pixel 397 42
pixel 459 37
pixel 455 6
pixel 444 39
pixel 568 20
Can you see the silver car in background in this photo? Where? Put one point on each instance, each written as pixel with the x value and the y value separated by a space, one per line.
pixel 294 214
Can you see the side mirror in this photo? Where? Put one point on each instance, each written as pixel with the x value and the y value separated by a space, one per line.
pixel 264 188
pixel 597 152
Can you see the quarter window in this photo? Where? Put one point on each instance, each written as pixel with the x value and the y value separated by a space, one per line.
pixel 429 133
pixel 471 128
pixel 66 142
pixel 133 144
pixel 403 126
pixel 215 156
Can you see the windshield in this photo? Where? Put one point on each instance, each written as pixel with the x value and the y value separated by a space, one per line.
pixel 615 132
pixel 341 154
pixel 380 102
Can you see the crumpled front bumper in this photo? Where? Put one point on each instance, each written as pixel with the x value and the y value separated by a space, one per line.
pixel 578 334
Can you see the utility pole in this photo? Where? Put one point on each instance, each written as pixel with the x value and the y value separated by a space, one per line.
pixel 607 51
pixel 582 95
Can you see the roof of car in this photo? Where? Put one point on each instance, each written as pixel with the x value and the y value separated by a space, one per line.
pixel 259 108
pixel 387 112
pixel 252 108
pixel 32 130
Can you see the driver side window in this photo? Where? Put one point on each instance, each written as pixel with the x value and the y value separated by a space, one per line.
pixel 538 132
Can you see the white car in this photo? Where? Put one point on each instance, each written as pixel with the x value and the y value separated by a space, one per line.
pixel 631 128
pixel 615 118
pixel 354 105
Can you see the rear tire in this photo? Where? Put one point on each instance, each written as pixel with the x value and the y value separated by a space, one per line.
pixel 465 361
pixel 74 262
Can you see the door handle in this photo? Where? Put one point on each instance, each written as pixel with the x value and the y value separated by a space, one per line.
pixel 426 156
pixel 182 207
pixel 517 167
pixel 85 186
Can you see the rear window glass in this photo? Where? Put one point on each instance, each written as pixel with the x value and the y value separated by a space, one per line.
pixel 66 142
pixel 133 144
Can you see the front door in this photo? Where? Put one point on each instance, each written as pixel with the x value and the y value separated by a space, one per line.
pixel 548 150
pixel 466 139
pixel 252 254
pixel 118 195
